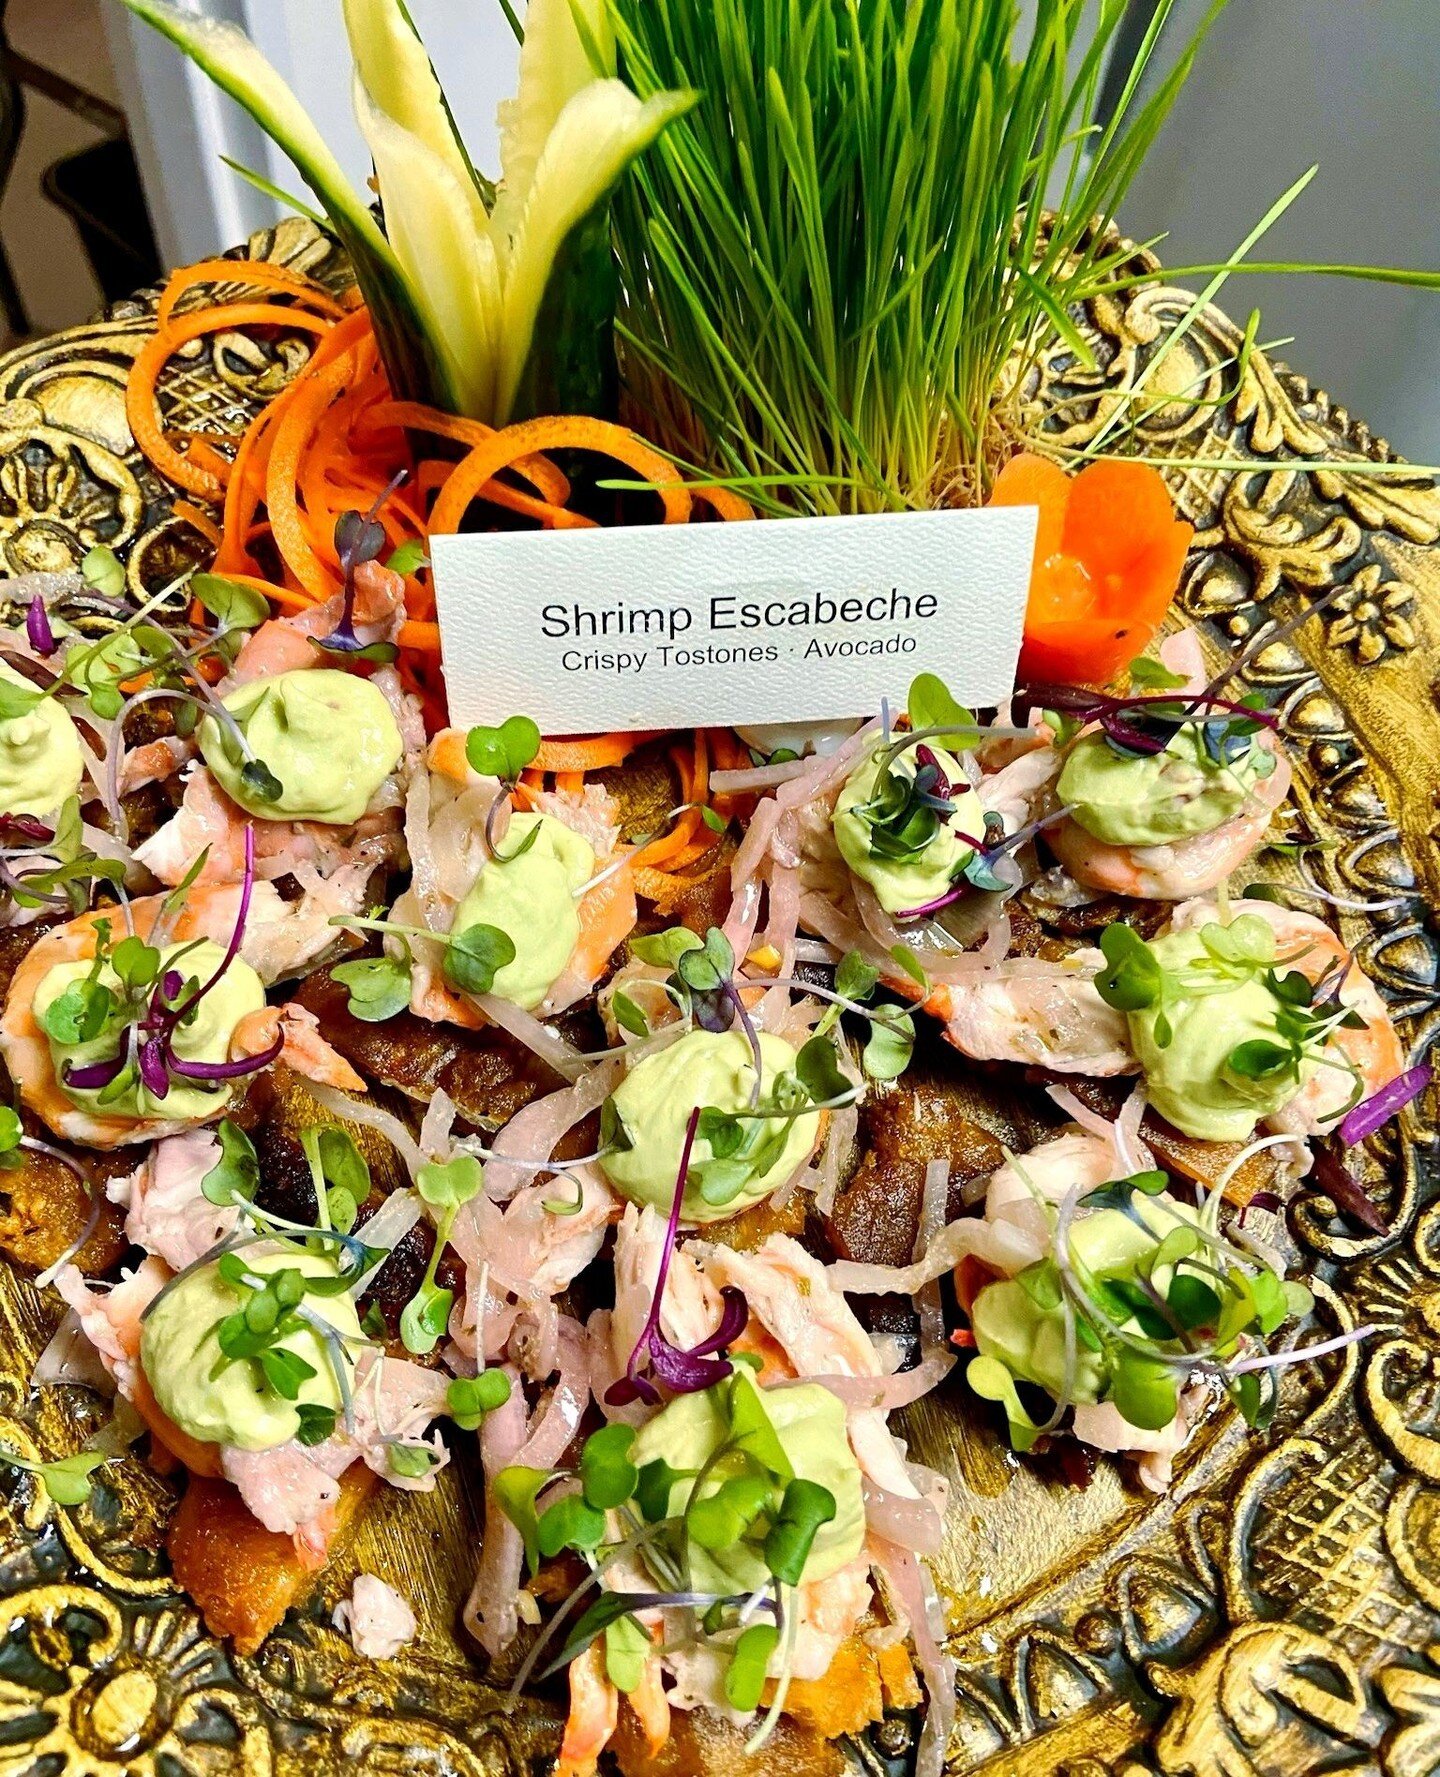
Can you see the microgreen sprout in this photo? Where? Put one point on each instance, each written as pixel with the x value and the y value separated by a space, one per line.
pixel 51 866
pixel 745 1501
pixel 503 753
pixel 234 1179
pixel 654 1359
pixel 339 1175
pixel 1187 1305
pixel 887 1051
pixel 103 570
pixel 379 986
pixel 274 1308
pixel 67 1479
pixel 472 959
pixel 1137 725
pixel 470 1398
pixel 143 1013
pixel 978 869
pixel 1305 1013
pixel 359 538
pixel 445 1186
pixel 907 809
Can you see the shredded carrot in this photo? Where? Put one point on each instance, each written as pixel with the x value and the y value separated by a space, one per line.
pixel 724 502
pixel 258 274
pixel 141 397
pixel 564 432
pixel 198 521
pixel 594 753
pixel 542 474
pixel 334 439
pixel 694 775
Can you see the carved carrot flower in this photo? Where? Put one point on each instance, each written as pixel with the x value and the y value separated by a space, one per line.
pixel 1108 555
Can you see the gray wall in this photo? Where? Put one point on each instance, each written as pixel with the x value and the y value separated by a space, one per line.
pixel 1355 86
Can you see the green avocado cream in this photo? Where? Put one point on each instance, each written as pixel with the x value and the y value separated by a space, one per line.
pixel 219 1401
pixel 329 737
pixel 528 892
pixel 901 883
pixel 1153 798
pixel 809 1422
pixel 1189 1081
pixel 205 1038
pixel 41 763
pixel 1030 1340
pixel 653 1103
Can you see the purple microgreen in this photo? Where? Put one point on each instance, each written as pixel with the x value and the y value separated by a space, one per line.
pixel 1376 1111
pixel 37 627
pixel 24 826
pixel 978 871
pixel 97 1075
pixel 148 1042
pixel 682 1372
pixel 1346 1192
pixel 225 1070
pixel 1140 725
pixel 359 538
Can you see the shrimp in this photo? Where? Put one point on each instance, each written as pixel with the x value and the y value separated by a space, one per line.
pixel 1016 1229
pixel 691 1309
pixel 827 1612
pixel 151 762
pixel 167 1212
pixel 293 1489
pixel 526 1250
pixel 286 644
pixel 268 945
pixel 111 1321
pixel 1016 1232
pixel 1185 866
pixel 377 1618
pixel 208 821
pixel 302 1046
pixel 594 1714
pixel 1367 1058
pixel 1103 1427
pixel 1036 1013
pixel 1016 791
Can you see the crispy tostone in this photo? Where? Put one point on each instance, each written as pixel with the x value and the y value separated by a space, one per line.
pixel 243 1577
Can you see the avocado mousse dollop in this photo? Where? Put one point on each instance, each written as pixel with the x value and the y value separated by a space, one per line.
pixel 905 822
pixel 87 1011
pixel 289 1387
pixel 646 1119
pixel 528 891
pixel 320 744
pixel 713 1433
pixel 1139 1294
pixel 1192 786
pixel 41 761
pixel 1226 1033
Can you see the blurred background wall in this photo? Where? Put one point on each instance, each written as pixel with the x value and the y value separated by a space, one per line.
pixel 1351 84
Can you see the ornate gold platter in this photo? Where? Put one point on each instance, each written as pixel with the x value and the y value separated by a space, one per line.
pixel 1278 1614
